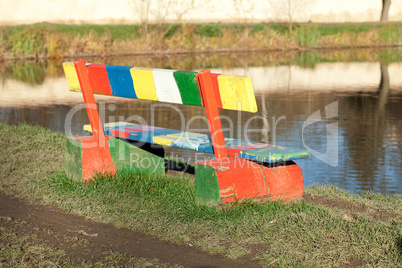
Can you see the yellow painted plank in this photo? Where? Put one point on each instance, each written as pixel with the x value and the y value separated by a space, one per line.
pixel 237 93
pixel 88 128
pixel 144 84
pixel 163 140
pixel 71 75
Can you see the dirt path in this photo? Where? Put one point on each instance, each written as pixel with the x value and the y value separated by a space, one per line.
pixel 86 241
pixel 89 241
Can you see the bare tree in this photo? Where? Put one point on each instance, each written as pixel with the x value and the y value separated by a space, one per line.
pixel 161 9
pixel 181 7
pixel 291 9
pixel 385 10
pixel 141 10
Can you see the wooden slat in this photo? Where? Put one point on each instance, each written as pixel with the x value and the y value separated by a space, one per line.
pixel 99 79
pixel 71 76
pixel 144 84
pixel 188 87
pixel 166 86
pixel 237 93
pixel 121 81
pixel 231 92
pixel 202 142
pixel 275 154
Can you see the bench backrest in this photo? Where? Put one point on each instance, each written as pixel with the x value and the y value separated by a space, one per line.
pixel 231 92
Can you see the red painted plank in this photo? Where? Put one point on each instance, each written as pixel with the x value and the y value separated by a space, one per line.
pixel 232 151
pixel 99 79
pixel 120 133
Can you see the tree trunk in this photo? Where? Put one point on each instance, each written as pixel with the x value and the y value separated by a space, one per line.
pixel 384 88
pixel 385 10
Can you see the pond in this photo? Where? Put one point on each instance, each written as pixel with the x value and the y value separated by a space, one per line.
pixel 346 110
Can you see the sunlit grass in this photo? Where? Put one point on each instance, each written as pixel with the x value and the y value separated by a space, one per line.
pixel 297 234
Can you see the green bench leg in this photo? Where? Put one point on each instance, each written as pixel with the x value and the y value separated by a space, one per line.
pixel 232 179
pixel 81 162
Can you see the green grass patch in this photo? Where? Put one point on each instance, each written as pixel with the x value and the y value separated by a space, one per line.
pixel 209 30
pixel 337 29
pixel 276 234
pixel 391 33
pixel 307 35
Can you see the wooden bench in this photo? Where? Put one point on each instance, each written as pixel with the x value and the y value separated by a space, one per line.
pixel 240 169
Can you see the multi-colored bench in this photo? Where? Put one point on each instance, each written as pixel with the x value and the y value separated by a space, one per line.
pixel 240 169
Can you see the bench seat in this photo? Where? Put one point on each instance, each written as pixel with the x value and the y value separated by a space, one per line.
pixel 201 142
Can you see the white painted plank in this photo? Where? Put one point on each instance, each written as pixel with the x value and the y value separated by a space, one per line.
pixel 166 86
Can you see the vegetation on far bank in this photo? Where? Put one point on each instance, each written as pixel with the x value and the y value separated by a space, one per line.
pixel 55 41
pixel 36 71
pixel 367 228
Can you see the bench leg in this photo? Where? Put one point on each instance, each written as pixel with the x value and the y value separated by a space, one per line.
pixel 227 180
pixel 82 162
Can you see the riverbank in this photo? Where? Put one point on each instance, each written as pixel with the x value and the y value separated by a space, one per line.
pixel 329 227
pixel 55 41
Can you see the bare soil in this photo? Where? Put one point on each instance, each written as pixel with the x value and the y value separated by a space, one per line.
pixel 87 241
pixel 84 240
pixel 350 207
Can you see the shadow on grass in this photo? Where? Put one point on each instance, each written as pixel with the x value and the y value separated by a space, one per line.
pixel 180 166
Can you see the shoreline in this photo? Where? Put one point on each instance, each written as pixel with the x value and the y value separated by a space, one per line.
pixel 58 41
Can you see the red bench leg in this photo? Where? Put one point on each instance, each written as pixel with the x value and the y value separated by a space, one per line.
pixel 228 180
pixel 83 159
pixel 95 152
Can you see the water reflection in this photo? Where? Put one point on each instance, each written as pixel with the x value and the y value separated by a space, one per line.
pixel 369 96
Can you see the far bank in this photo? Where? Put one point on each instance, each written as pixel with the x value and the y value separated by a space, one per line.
pixel 55 41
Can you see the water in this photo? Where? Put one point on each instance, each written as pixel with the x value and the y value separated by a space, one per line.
pixel 356 139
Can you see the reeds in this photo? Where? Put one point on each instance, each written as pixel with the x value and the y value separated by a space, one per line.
pixel 58 41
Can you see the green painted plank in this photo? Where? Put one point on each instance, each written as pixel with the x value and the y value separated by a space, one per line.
pixel 206 185
pixel 275 154
pixel 188 87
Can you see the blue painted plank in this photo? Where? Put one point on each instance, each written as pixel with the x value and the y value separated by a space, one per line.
pixel 121 81
pixel 147 136
pixel 234 142
pixel 199 143
pixel 206 148
pixel 275 154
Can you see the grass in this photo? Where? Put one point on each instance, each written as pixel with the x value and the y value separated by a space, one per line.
pixel 276 234
pixel 17 250
pixel 46 40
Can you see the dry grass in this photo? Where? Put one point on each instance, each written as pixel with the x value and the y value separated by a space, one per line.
pixel 54 41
